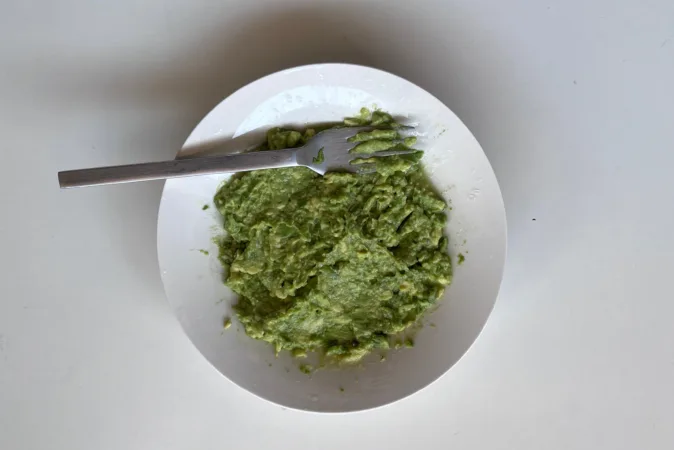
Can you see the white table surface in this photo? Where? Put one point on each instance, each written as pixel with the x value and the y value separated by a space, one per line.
pixel 573 102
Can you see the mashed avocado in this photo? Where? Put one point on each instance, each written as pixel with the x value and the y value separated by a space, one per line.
pixel 337 263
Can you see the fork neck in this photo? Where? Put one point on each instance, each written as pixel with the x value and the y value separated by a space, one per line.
pixel 270 159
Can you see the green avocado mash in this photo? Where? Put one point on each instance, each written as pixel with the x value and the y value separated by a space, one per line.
pixel 339 263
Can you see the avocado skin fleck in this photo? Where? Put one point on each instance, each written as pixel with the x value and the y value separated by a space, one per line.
pixel 320 158
pixel 338 263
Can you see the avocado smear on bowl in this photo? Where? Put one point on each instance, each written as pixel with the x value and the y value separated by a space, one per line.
pixel 341 263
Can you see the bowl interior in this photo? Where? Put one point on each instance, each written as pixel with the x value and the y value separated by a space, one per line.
pixel 476 229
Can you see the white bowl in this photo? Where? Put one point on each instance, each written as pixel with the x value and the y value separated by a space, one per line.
pixel 459 170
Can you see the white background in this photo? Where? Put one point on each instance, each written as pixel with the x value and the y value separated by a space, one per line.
pixel 573 102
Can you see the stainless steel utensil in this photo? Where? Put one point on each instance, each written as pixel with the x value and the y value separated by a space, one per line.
pixel 327 151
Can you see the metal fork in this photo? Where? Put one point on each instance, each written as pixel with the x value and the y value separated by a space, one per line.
pixel 327 151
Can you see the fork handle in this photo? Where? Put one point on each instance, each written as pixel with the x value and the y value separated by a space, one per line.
pixel 178 168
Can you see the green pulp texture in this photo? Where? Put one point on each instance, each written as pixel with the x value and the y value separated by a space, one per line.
pixel 337 263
